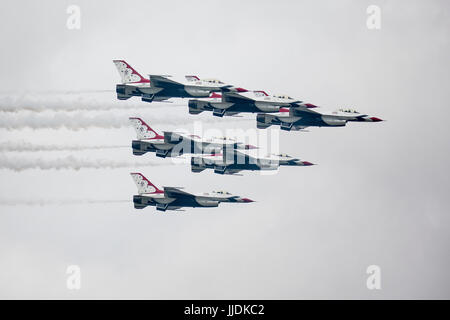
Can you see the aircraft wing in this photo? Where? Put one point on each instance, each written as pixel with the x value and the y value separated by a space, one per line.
pixel 226 88
pixel 242 155
pixel 191 141
pixel 209 158
pixel 226 170
pixel 162 81
pixel 303 111
pixel 174 192
pixel 172 137
pixel 232 157
pixel 298 103
pixel 177 137
pixel 235 97
pixel 209 146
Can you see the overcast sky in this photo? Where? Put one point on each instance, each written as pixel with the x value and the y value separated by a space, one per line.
pixel 378 196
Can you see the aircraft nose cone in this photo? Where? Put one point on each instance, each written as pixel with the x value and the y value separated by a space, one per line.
pixel 247 200
pixel 241 89
pixel 307 163
pixel 375 119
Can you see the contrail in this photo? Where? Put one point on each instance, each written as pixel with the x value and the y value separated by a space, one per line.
pixel 60 120
pixel 80 120
pixel 71 101
pixel 74 163
pixel 23 146
pixel 41 202
pixel 53 92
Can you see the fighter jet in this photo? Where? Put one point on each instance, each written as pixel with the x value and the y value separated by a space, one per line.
pixel 234 161
pixel 301 117
pixel 173 198
pixel 241 100
pixel 163 87
pixel 172 144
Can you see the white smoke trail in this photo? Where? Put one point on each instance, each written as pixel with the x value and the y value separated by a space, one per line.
pixel 23 146
pixel 80 120
pixel 59 202
pixel 74 163
pixel 60 120
pixel 73 101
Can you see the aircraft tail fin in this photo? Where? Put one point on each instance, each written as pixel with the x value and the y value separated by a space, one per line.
pixel 143 130
pixel 128 74
pixel 143 184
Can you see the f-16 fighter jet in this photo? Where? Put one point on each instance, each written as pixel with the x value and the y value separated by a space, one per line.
pixel 301 117
pixel 172 144
pixel 173 198
pixel 232 103
pixel 234 161
pixel 163 87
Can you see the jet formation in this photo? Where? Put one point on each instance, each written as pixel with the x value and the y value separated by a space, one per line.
pixel 225 156
pixel 234 161
pixel 231 103
pixel 163 87
pixel 174 198
pixel 300 118
pixel 173 144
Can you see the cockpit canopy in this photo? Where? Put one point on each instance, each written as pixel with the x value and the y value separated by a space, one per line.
pixel 348 110
pixel 222 192
pixel 282 155
pixel 192 78
pixel 283 96
pixel 223 138
pixel 215 81
pixel 260 93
